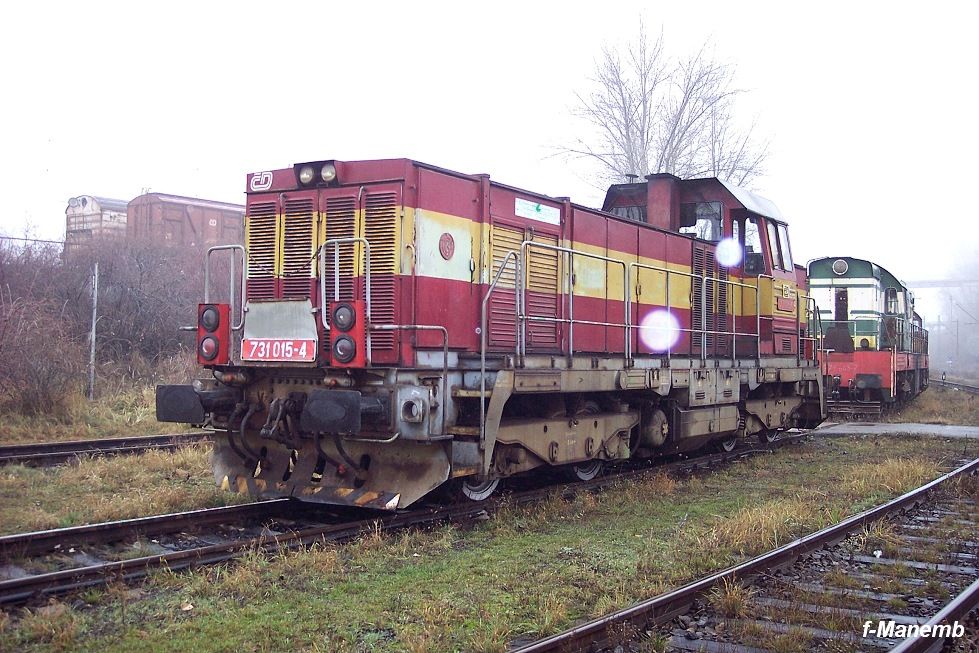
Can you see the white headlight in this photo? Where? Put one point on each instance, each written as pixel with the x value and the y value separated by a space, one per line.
pixel 328 173
pixel 306 174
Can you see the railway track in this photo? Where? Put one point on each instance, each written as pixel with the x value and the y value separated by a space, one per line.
pixel 821 589
pixel 41 564
pixel 53 453
pixel 957 385
pixel 873 410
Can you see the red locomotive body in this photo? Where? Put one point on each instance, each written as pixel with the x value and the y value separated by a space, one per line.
pixel 461 328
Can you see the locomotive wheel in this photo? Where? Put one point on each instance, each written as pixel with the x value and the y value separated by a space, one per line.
pixel 479 490
pixel 768 436
pixel 728 445
pixel 587 471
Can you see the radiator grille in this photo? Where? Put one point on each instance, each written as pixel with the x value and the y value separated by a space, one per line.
pixel 261 243
pixel 711 298
pixel 381 231
pixel 501 319
pixel 721 322
pixel 542 292
pixel 299 225
pixel 697 309
pixel 340 221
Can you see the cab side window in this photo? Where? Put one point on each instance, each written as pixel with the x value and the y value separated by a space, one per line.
pixel 754 258
pixel 890 304
pixel 773 247
pixel 701 220
pixel 783 241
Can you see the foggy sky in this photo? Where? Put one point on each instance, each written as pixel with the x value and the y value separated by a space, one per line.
pixel 869 109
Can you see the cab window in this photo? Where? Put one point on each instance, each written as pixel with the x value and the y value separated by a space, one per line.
pixel 754 258
pixel 783 241
pixel 701 220
pixel 773 246
pixel 890 306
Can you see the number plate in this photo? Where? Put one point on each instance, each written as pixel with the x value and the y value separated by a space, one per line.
pixel 278 349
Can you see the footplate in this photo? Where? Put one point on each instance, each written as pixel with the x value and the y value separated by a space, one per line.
pixel 383 476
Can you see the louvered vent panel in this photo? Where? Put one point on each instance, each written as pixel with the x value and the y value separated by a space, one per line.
pixel 542 292
pixel 340 222
pixel 261 229
pixel 721 321
pixel 502 318
pixel 697 309
pixel 297 248
pixel 381 231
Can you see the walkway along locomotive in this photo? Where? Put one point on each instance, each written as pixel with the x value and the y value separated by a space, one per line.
pixel 398 326
pixel 875 346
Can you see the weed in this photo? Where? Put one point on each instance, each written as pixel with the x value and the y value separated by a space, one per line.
pixel 893 475
pixel 55 625
pixel 731 598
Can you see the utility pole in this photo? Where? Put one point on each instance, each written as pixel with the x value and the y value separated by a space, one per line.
pixel 91 355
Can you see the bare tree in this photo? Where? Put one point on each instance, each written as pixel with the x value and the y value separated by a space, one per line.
pixel 654 115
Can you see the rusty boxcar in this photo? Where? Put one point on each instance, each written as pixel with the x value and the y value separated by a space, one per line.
pixel 177 220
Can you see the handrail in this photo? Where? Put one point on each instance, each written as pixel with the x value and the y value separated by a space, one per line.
pixel 483 327
pixel 231 291
pixel 627 325
pixel 734 333
pixel 522 317
pixel 321 251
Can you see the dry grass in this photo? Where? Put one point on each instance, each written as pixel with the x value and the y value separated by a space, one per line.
pixel 891 476
pixel 128 413
pixel 940 406
pixel 879 535
pixel 101 489
pixel 754 529
pixel 732 599
pixel 528 571
pixel 55 625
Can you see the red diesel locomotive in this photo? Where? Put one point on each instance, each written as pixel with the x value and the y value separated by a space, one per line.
pixel 398 326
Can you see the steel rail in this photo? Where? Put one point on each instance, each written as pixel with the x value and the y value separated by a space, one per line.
pixel 40 542
pixel 47 453
pixel 956 610
pixel 18 590
pixel 958 385
pixel 666 606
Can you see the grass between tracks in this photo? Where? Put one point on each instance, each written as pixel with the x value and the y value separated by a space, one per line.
pixel 100 489
pixel 525 572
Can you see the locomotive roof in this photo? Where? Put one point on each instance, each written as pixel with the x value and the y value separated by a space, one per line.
pixel 754 203
pixel 863 268
pixel 749 200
